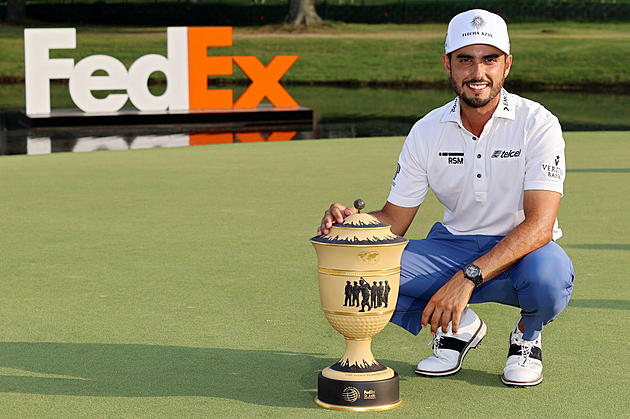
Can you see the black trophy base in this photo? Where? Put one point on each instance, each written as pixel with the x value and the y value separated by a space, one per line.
pixel 358 396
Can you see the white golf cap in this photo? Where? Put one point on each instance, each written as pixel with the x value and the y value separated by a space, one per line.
pixel 477 27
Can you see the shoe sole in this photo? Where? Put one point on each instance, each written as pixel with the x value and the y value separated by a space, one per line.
pixel 521 384
pixel 476 339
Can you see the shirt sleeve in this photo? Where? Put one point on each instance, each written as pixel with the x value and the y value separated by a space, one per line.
pixel 545 167
pixel 410 183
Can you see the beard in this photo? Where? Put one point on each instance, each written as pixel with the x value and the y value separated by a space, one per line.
pixel 474 101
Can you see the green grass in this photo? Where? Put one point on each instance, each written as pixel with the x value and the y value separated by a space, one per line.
pixel 180 282
pixel 551 54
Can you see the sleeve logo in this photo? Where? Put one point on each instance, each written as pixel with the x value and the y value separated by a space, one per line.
pixel 396 174
pixel 553 171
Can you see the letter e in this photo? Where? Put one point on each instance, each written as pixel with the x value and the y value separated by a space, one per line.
pixel 82 82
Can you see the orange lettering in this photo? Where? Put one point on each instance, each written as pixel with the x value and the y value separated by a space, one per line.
pixel 282 136
pixel 249 137
pixel 265 81
pixel 205 139
pixel 200 66
pixel 242 137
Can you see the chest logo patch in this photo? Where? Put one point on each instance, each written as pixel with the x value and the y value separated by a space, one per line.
pixel 453 157
pixel 505 154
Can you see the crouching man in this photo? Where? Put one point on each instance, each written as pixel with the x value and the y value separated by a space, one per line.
pixel 496 162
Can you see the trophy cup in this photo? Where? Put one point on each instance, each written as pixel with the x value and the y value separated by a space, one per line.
pixel 359 274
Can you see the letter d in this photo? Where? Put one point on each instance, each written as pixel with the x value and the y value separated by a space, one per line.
pixel 175 68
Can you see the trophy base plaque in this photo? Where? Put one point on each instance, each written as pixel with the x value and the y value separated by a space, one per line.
pixel 358 396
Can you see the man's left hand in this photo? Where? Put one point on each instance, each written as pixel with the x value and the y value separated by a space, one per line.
pixel 448 303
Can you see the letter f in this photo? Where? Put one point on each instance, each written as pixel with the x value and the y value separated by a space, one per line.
pixel 39 69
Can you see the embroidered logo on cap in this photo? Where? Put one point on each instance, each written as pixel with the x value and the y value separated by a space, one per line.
pixel 478 22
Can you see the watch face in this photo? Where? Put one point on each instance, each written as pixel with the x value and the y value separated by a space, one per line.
pixel 472 271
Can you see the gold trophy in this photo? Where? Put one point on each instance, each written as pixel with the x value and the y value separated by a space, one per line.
pixel 359 274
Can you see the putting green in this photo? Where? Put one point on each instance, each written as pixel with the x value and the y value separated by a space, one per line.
pixel 172 282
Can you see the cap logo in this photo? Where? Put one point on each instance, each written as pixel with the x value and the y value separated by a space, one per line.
pixel 478 22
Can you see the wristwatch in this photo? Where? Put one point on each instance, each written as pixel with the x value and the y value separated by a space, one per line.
pixel 473 272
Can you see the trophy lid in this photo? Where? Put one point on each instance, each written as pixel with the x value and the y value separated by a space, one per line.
pixel 360 229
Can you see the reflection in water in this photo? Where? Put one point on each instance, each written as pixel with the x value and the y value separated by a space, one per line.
pixel 82 139
pixel 340 113
pixel 33 145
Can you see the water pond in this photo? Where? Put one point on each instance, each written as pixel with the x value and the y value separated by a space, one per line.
pixel 338 113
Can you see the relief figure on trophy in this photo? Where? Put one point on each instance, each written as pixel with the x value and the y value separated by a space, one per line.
pixel 373 296
pixel 365 295
pixel 356 290
pixel 348 292
pixel 386 291
pixel 380 294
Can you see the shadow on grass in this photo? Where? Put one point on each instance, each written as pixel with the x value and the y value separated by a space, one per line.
pixel 474 377
pixel 270 378
pixel 602 246
pixel 479 378
pixel 600 303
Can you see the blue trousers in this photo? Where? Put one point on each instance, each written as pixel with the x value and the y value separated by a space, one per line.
pixel 540 283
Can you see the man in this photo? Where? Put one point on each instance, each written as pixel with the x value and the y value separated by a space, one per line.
pixel 496 162
pixel 348 293
pixel 356 290
pixel 374 295
pixel 381 293
pixel 365 295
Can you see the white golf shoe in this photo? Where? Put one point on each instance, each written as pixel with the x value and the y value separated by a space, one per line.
pixel 450 349
pixel 524 363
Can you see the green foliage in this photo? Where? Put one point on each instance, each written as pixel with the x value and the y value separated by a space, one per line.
pixel 259 12
pixel 553 55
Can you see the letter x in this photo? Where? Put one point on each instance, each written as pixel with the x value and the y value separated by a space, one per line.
pixel 265 81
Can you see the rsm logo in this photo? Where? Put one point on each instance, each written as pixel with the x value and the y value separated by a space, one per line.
pixel 186 67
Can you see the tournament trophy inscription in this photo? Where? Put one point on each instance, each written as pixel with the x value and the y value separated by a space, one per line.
pixel 359 273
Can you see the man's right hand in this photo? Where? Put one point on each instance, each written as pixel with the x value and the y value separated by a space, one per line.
pixel 335 214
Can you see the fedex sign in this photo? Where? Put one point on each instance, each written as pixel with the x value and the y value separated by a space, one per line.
pixel 186 67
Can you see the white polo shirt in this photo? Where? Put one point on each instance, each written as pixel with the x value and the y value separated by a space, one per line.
pixel 480 181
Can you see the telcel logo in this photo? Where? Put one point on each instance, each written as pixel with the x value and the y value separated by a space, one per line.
pixel 186 67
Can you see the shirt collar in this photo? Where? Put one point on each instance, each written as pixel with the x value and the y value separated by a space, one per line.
pixel 506 106
pixel 505 109
pixel 453 112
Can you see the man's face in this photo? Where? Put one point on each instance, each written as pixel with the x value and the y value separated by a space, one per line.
pixel 477 73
